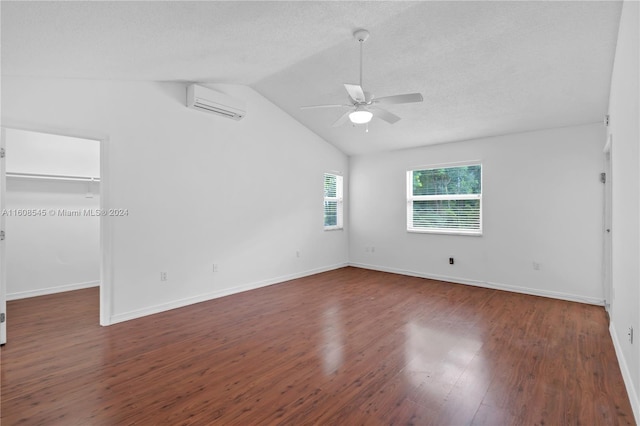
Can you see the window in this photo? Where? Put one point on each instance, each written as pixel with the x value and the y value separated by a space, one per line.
pixel 445 200
pixel 332 201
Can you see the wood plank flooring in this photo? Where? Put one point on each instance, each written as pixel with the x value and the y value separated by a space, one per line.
pixel 346 347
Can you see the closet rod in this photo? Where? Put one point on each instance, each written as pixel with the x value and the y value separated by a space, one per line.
pixel 53 177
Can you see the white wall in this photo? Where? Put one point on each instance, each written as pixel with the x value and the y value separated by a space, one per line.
pixel 50 252
pixel 199 189
pixel 625 163
pixel 45 153
pixel 542 202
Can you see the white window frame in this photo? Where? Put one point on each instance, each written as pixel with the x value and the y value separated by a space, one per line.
pixel 411 198
pixel 338 199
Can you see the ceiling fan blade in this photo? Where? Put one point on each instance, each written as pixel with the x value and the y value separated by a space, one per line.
pixel 385 115
pixel 399 99
pixel 355 92
pixel 324 106
pixel 343 118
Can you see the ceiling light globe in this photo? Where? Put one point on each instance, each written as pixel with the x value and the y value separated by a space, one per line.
pixel 360 116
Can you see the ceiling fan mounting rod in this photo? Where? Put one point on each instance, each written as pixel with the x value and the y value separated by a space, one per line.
pixel 360 63
pixel 361 35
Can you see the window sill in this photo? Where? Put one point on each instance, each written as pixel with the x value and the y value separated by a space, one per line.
pixel 445 232
pixel 333 228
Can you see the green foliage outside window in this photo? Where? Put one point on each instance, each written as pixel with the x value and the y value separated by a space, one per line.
pixel 447 198
pixel 446 181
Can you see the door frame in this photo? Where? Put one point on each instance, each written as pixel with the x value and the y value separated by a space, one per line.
pixel 106 285
pixel 3 263
pixel 607 251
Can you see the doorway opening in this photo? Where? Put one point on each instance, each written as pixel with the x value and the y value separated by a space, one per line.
pixel 52 207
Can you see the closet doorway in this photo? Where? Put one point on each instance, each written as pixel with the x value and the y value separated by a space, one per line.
pixel 52 214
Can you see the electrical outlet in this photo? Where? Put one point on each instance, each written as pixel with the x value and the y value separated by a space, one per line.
pixel 215 267
pixel 536 266
pixel 298 253
pixel 451 261
pixel 163 276
pixel 630 334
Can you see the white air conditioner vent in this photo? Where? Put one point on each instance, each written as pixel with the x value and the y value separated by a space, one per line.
pixel 213 102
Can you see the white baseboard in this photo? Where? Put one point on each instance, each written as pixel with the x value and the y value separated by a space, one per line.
pixel 217 294
pixel 486 284
pixel 626 375
pixel 51 290
pixel 126 316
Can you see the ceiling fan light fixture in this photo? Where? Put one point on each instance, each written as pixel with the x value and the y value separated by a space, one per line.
pixel 360 100
pixel 360 116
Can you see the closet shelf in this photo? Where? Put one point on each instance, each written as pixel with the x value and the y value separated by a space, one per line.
pixel 53 177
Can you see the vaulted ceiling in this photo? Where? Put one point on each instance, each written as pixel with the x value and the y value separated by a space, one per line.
pixel 484 68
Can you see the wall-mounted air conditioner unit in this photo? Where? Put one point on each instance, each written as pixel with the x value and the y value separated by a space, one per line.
pixel 207 100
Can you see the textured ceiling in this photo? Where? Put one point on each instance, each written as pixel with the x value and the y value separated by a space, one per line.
pixel 484 68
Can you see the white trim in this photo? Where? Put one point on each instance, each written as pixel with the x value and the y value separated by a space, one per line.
pixel 126 316
pixel 3 260
pixel 486 284
pixel 445 231
pixel 446 165
pixel 607 145
pixel 106 289
pixel 51 290
pixel 450 197
pixel 626 375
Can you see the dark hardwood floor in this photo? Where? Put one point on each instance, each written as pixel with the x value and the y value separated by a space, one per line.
pixel 346 347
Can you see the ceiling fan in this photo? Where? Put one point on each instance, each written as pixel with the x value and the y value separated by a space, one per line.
pixel 364 106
